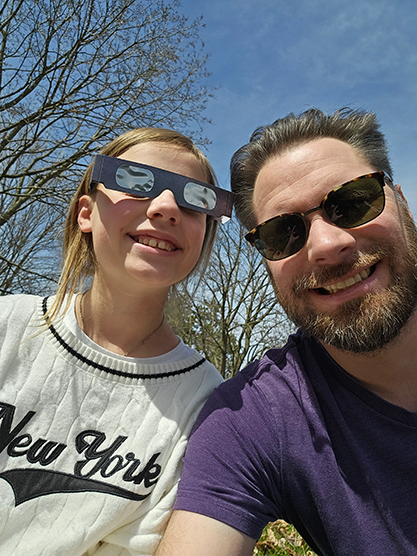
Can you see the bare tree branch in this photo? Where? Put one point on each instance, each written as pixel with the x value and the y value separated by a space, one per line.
pixel 232 315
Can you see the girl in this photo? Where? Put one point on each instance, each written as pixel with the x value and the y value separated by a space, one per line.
pixel 97 393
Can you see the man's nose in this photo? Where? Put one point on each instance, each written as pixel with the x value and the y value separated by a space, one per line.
pixel 326 242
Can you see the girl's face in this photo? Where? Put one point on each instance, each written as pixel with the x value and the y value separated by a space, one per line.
pixel 151 242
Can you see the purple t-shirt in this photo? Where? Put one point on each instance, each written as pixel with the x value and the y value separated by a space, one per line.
pixel 295 437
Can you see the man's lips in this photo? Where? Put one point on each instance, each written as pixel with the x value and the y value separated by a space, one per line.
pixel 344 284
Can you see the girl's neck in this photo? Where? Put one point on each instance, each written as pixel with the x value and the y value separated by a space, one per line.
pixel 123 324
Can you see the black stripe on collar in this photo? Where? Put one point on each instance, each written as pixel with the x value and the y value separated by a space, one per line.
pixel 109 370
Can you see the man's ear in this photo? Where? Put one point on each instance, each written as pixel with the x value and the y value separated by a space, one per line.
pixel 84 213
pixel 402 198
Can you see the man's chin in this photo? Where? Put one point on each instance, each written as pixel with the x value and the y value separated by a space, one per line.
pixel 362 325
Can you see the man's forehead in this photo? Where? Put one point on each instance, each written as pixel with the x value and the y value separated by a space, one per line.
pixel 304 172
pixel 312 154
pixel 318 155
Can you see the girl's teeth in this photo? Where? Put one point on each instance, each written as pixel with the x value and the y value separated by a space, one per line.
pixel 155 243
pixel 333 288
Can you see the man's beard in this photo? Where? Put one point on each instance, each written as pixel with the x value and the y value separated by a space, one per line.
pixel 368 323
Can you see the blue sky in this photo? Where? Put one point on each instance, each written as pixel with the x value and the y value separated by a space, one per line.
pixel 271 57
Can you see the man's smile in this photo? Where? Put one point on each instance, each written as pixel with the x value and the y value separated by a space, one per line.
pixel 344 284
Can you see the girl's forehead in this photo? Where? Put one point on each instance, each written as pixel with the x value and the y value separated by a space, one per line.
pixel 167 157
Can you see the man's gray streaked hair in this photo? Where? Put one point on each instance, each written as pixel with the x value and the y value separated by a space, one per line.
pixel 358 128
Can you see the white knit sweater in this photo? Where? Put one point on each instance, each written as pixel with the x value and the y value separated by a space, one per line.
pixel 90 443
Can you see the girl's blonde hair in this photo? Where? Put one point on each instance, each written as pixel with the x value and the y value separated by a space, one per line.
pixel 78 254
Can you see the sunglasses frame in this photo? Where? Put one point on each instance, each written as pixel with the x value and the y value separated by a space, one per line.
pixel 105 168
pixel 381 177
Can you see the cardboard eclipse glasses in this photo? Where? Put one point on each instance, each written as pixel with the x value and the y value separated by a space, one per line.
pixel 142 180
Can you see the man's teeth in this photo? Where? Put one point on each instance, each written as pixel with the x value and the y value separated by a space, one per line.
pixel 333 288
pixel 152 242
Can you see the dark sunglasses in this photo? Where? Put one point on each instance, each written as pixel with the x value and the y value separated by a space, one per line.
pixel 146 181
pixel 352 204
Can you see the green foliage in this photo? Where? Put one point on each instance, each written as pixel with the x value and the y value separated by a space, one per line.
pixel 281 539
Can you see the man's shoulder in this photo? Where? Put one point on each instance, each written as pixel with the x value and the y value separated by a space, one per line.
pixel 269 378
pixel 277 363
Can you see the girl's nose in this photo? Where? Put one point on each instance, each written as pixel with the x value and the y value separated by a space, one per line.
pixel 164 206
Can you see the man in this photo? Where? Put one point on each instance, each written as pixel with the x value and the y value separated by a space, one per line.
pixel 323 432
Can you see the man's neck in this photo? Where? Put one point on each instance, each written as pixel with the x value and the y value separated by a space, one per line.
pixel 391 373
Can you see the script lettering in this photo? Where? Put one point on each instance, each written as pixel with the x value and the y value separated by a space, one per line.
pixel 106 462
pixel 7 412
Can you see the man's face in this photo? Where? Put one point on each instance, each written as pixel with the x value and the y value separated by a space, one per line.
pixel 350 288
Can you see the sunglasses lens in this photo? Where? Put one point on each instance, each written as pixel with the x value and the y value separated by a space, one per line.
pixel 281 237
pixel 355 203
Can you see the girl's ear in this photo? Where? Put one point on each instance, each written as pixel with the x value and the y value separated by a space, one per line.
pixel 84 213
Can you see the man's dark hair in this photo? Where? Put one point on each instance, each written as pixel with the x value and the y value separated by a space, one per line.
pixel 358 128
